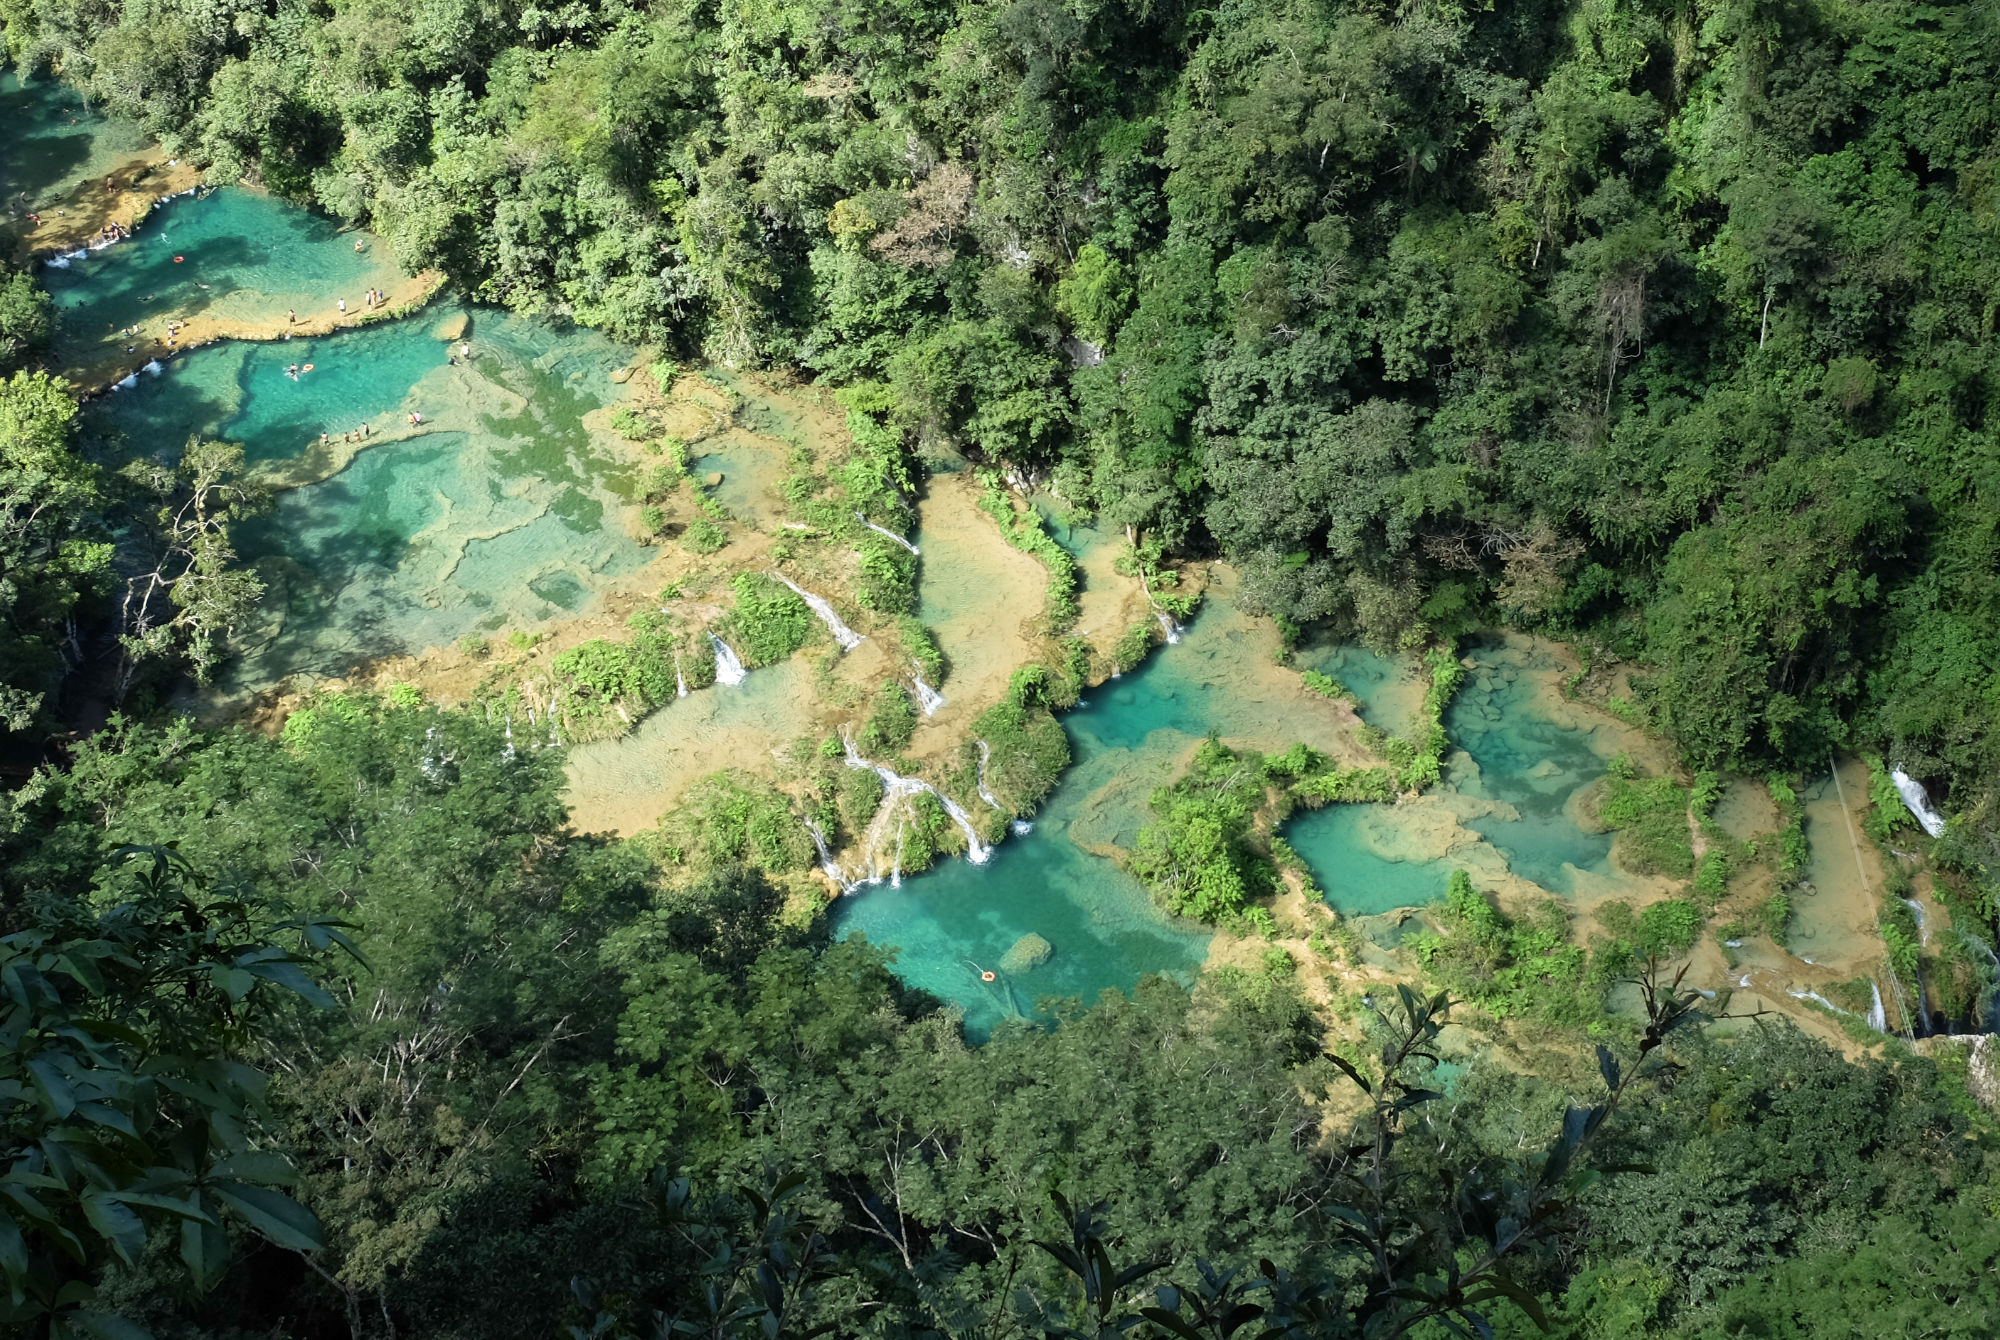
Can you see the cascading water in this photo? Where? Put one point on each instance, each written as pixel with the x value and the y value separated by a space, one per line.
pixel 1918 801
pixel 1878 1017
pixel 845 636
pixel 895 786
pixel 928 698
pixel 985 754
pixel 1168 626
pixel 728 669
pixel 832 867
pixel 1923 929
pixel 890 533
pixel 680 685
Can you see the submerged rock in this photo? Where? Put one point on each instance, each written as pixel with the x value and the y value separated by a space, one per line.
pixel 714 481
pixel 1029 952
pixel 453 327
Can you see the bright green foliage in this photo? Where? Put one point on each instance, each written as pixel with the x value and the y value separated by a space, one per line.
pixel 892 720
pixel 1774 915
pixel 1198 860
pixel 703 536
pixel 1525 967
pixel 1132 646
pixel 607 687
pixel 1027 751
pixel 1651 816
pixel 1326 686
pixel 1095 293
pixel 770 620
pixel 922 646
pixel 888 581
pixel 729 819
pixel 50 552
pixel 27 319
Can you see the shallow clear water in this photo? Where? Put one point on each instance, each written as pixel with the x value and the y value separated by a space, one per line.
pixel 52 142
pixel 1387 688
pixel 246 258
pixel 1352 853
pixel 502 510
pixel 1530 760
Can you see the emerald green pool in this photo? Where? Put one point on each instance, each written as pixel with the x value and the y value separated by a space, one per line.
pixel 502 510
pixel 245 258
pixel 53 142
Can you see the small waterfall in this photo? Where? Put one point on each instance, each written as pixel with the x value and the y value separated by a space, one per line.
pixel 1918 801
pixel 1878 1018
pixel 986 753
pixel 890 533
pixel 845 636
pixel 1923 928
pixel 1168 626
pixel 128 381
pixel 57 262
pixel 1022 828
pixel 728 669
pixel 826 861
pixel 508 752
pixel 153 367
pixel 896 786
pixel 928 698
pixel 1816 996
pixel 680 684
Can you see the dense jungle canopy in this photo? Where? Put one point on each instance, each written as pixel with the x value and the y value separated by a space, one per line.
pixel 1666 329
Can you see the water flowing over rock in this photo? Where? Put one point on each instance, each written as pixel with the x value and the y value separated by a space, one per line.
pixel 1923 928
pixel 1918 800
pixel 154 367
pixel 680 685
pixel 728 669
pixel 1168 626
pixel 832 867
pixel 928 698
pixel 890 533
pixel 1878 1018
pixel 845 636
pixel 985 753
pixel 896 787
pixel 126 383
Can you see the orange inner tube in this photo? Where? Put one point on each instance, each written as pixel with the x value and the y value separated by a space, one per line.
pixel 307 368
pixel 179 259
pixel 985 976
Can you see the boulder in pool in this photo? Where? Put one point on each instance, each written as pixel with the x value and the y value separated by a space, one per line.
pixel 453 327
pixel 1031 951
pixel 714 481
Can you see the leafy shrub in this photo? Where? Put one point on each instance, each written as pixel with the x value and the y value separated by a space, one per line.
pixel 1198 860
pixel 770 620
pixel 1028 750
pixel 922 646
pixel 1133 644
pixel 1024 531
pixel 703 536
pixel 888 583
pixel 892 722
pixel 731 819
pixel 1651 816
pixel 1326 686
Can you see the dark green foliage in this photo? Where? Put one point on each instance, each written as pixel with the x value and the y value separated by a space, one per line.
pixel 129 1104
pixel 769 623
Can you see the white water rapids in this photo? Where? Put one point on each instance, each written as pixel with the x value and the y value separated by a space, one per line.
pixel 845 636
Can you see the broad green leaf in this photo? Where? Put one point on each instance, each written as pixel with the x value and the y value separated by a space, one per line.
pixel 275 1215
